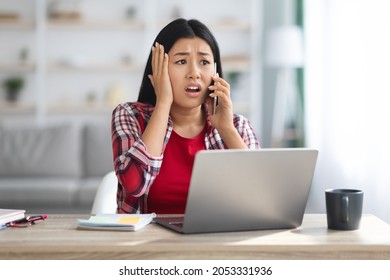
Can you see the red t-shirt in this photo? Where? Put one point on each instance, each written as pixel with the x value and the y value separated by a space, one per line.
pixel 168 193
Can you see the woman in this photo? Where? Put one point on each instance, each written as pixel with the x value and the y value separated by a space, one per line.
pixel 156 138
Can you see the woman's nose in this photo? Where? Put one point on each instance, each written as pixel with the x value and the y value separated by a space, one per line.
pixel 193 72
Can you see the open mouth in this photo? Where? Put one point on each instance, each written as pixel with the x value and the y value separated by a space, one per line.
pixel 193 89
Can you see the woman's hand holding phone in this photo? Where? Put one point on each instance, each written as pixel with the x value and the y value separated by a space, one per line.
pixel 222 120
pixel 222 117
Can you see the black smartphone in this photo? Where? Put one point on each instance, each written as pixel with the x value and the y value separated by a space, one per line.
pixel 215 98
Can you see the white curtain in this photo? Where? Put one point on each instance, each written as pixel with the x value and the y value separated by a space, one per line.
pixel 347 99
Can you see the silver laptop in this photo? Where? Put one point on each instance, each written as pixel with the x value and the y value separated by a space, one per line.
pixel 237 190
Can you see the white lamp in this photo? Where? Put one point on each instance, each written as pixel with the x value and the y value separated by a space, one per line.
pixel 284 47
pixel 284 50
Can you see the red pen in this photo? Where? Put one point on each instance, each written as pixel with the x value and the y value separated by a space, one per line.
pixel 26 220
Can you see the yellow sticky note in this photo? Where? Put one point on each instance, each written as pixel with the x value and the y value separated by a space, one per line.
pixel 128 220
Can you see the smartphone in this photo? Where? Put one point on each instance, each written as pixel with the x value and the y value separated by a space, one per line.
pixel 215 98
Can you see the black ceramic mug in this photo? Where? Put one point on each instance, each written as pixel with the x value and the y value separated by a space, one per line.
pixel 344 208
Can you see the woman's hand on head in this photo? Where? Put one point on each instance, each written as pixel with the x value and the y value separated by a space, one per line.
pixel 223 117
pixel 160 77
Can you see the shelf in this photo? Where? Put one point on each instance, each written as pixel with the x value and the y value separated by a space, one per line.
pixel 57 108
pixel 79 108
pixel 78 24
pixel 16 68
pixel 16 108
pixel 95 67
pixel 53 24
pixel 16 25
pixel 12 20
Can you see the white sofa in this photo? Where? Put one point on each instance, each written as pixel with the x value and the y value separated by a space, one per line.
pixel 56 168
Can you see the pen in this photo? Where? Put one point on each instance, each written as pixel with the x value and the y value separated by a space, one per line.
pixel 26 220
pixel 20 221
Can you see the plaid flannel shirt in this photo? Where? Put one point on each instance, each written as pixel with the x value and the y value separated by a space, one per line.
pixel 135 168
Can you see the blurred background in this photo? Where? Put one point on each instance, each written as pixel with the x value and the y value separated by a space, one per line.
pixel 306 73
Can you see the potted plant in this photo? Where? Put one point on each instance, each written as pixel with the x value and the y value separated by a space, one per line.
pixel 13 86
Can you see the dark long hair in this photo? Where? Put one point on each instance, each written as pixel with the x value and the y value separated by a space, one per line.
pixel 175 30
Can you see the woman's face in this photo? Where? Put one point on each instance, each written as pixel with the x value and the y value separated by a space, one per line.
pixel 191 66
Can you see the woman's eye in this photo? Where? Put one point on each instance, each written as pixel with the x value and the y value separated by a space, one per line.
pixel 181 61
pixel 204 62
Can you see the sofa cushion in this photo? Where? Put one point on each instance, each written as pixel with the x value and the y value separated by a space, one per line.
pixel 32 151
pixel 97 149
pixel 40 191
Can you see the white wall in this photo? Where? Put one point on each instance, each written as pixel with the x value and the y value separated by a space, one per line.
pixel 347 97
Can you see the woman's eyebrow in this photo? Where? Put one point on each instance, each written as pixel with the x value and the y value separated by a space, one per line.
pixel 188 53
pixel 181 54
pixel 204 53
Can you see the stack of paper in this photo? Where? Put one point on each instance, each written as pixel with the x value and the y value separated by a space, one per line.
pixel 121 222
pixel 10 215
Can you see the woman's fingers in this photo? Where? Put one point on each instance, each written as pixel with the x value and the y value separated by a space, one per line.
pixel 221 88
pixel 220 81
pixel 156 61
pixel 159 57
pixel 160 76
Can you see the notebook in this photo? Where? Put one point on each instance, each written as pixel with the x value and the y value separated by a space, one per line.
pixel 116 222
pixel 240 190
pixel 9 215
